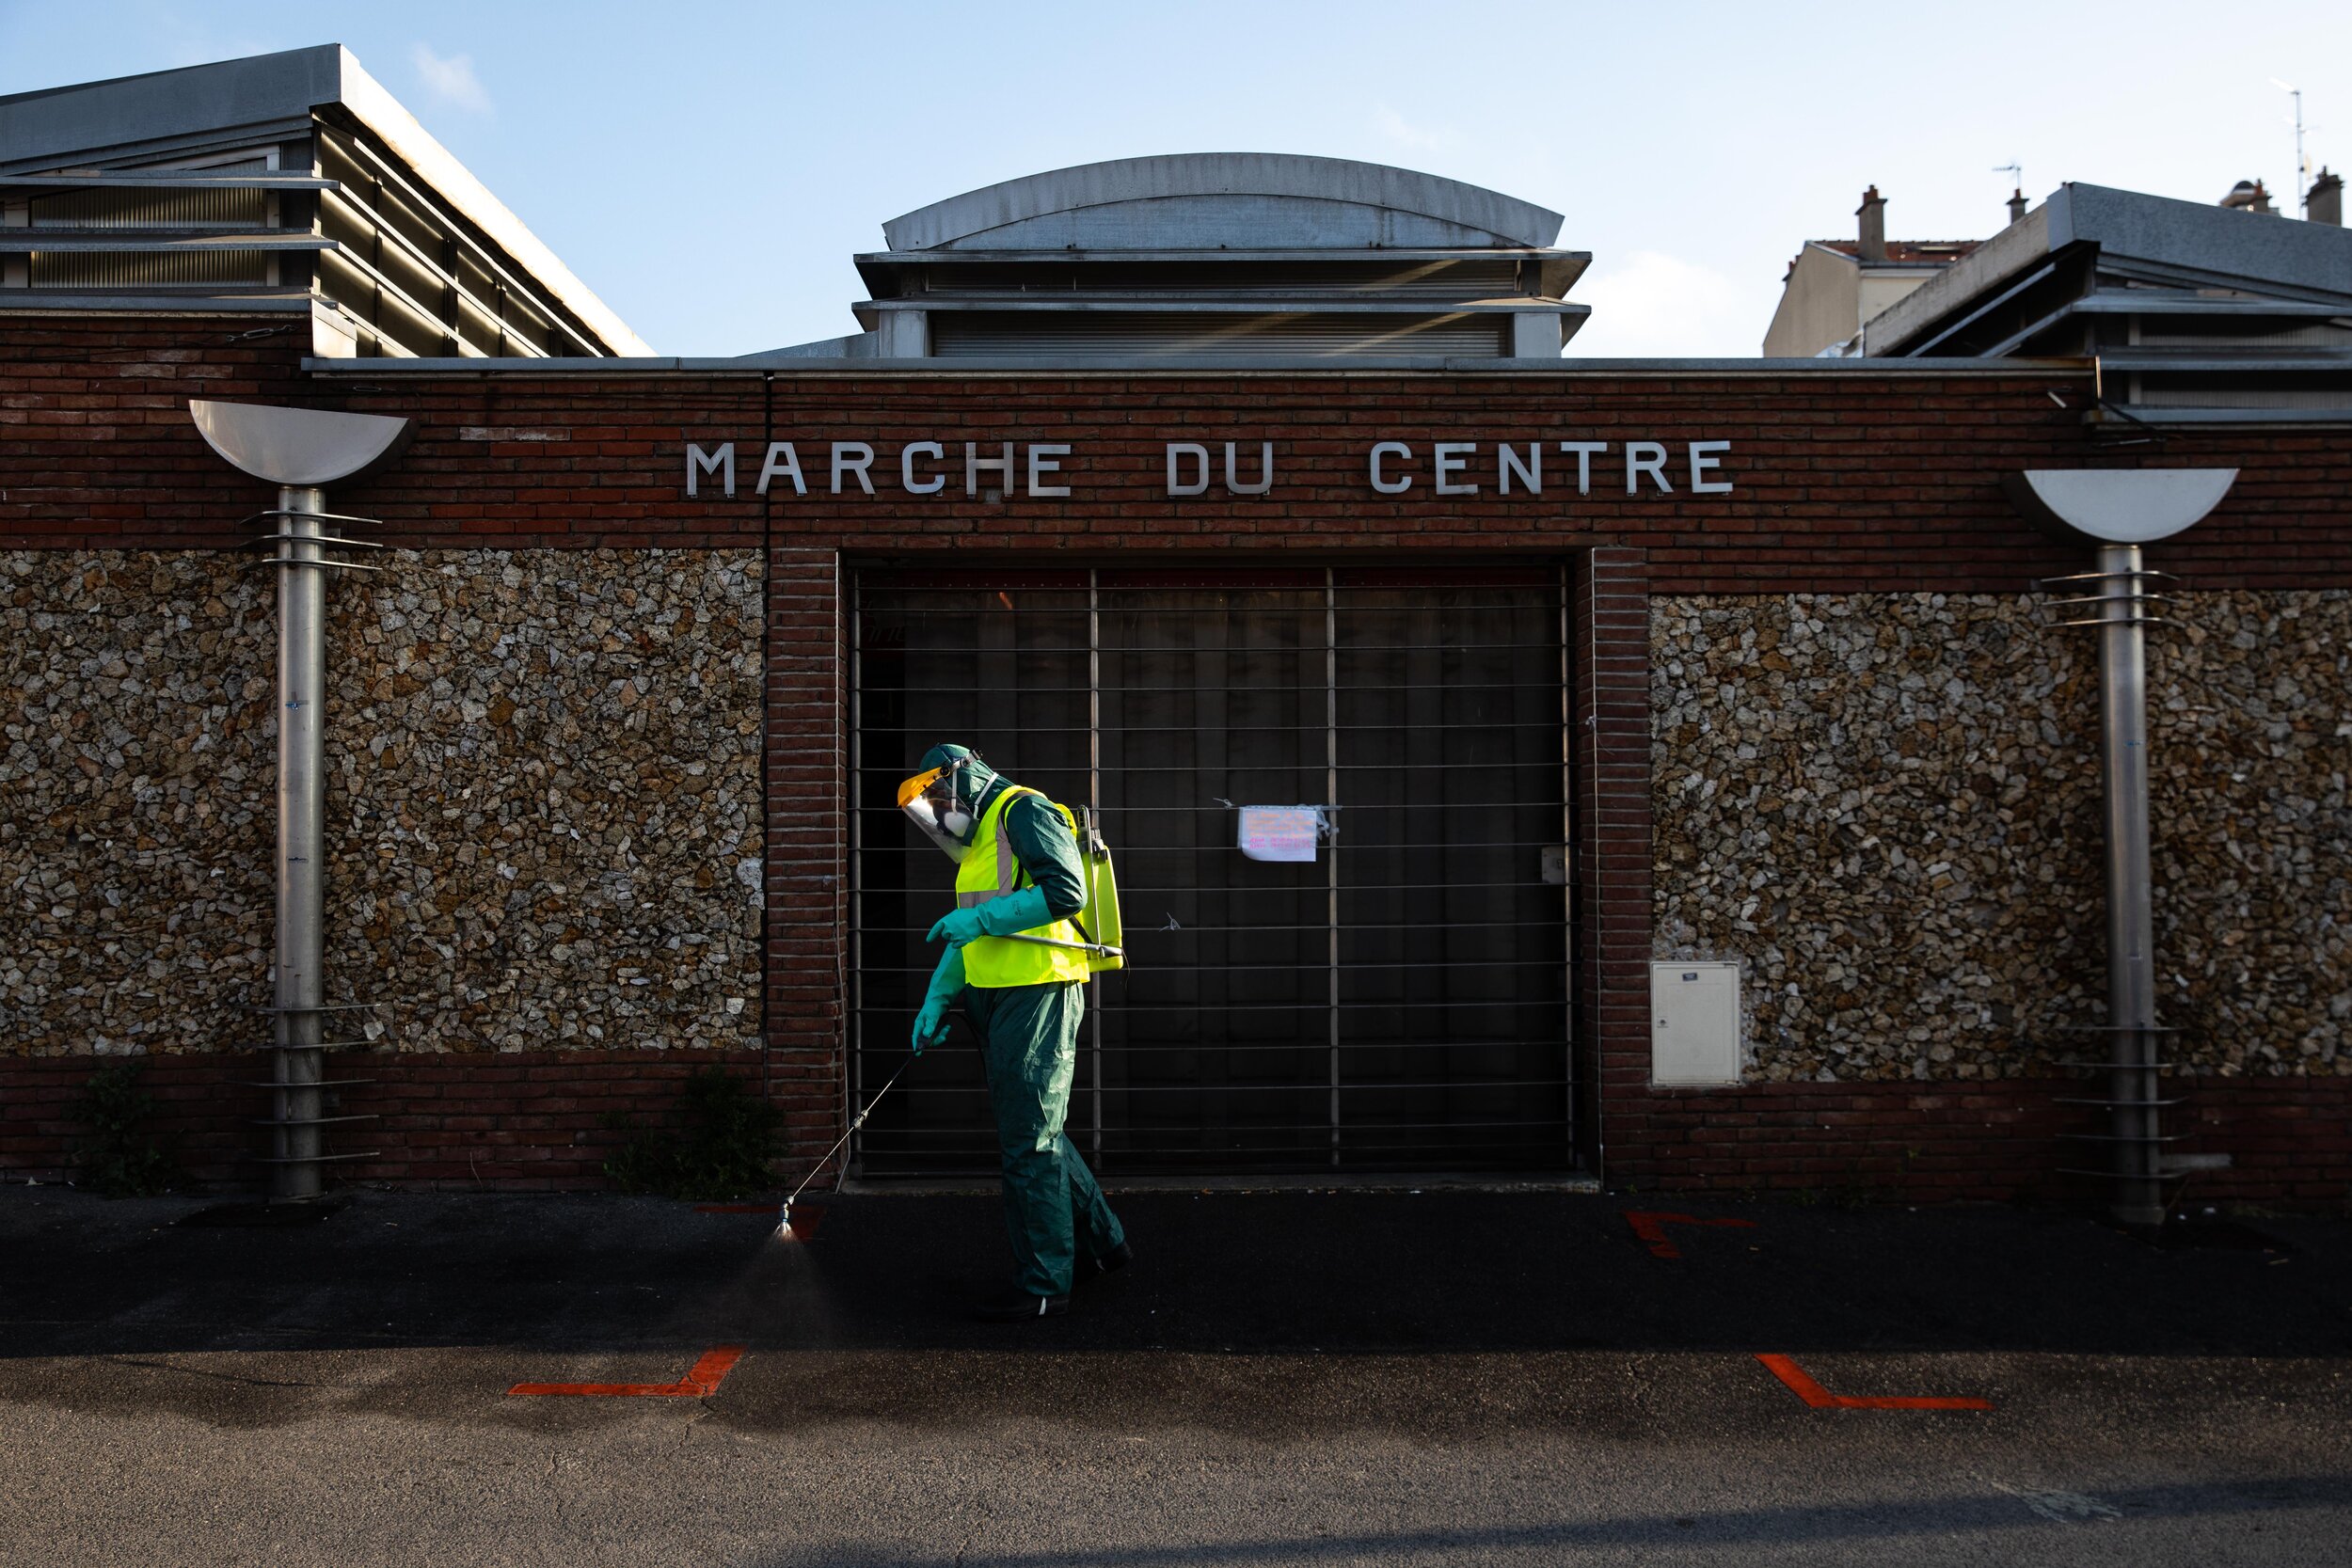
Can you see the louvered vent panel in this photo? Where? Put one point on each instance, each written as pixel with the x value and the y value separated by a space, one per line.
pixel 151 208
pixel 1106 334
pixel 122 269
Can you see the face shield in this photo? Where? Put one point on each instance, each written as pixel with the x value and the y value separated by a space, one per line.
pixel 934 803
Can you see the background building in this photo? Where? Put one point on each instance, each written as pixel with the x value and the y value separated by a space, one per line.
pixel 2223 314
pixel 1218 257
pixel 1834 287
pixel 289 186
pixel 2196 314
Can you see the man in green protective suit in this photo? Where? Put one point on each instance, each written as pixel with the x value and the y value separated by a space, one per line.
pixel 1020 965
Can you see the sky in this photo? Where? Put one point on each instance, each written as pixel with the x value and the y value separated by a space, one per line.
pixel 708 169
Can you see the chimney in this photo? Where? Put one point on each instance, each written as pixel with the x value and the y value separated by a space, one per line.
pixel 2248 195
pixel 1873 216
pixel 2326 202
pixel 2017 205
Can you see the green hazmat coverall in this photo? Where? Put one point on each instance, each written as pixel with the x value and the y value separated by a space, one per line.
pixel 1030 1035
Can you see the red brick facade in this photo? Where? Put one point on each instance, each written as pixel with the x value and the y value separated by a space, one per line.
pixel 1845 480
pixel 806 863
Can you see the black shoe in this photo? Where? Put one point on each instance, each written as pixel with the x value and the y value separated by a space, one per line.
pixel 1019 1306
pixel 1109 1264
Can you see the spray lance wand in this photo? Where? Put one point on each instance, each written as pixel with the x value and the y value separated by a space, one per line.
pixel 784 1217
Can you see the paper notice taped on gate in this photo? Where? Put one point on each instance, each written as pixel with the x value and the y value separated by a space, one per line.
pixel 1279 832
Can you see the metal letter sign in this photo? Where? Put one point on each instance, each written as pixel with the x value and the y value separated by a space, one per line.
pixel 1388 468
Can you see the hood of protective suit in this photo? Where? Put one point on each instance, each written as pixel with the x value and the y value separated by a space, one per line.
pixel 945 798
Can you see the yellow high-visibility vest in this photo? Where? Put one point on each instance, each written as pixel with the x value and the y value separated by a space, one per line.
pixel 991 871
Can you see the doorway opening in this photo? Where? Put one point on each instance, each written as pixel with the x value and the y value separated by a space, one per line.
pixel 1401 1000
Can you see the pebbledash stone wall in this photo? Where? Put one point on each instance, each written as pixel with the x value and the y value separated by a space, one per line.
pixel 1887 807
pixel 544 800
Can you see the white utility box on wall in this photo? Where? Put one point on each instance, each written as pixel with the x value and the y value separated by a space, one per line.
pixel 1694 1024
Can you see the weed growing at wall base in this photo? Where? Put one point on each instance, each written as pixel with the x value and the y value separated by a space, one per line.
pixel 120 1159
pixel 723 1149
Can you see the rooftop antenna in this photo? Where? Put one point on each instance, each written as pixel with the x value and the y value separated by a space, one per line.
pixel 2016 172
pixel 2302 169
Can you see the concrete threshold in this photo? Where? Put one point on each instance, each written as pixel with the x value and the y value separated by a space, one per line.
pixel 1434 1181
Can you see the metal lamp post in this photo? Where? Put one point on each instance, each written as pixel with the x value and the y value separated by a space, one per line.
pixel 301 451
pixel 2117 510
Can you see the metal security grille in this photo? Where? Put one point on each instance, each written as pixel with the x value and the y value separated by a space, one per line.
pixel 1400 1003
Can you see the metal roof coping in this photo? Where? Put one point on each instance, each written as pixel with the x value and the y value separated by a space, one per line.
pixel 1158 366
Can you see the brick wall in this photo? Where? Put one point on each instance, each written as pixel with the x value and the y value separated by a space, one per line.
pixel 807 760
pixel 2289 1140
pixel 1845 481
pixel 96 448
pixel 541 1119
pixel 1610 620
pixel 544 1121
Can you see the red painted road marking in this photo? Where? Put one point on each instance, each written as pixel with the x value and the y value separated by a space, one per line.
pixel 1652 1228
pixel 1819 1398
pixel 701 1381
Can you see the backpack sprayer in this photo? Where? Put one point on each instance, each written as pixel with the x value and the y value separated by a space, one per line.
pixel 1097 920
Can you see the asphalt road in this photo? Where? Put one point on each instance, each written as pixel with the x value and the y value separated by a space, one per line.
pixel 1293 1378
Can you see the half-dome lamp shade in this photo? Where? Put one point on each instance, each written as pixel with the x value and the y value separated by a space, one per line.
pixel 299 447
pixel 2115 506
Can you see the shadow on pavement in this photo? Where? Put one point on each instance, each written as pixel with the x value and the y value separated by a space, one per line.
pixel 1276 1273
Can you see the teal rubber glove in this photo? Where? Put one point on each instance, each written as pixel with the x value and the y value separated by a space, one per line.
pixel 958 927
pixel 930 1023
pixel 1024 911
